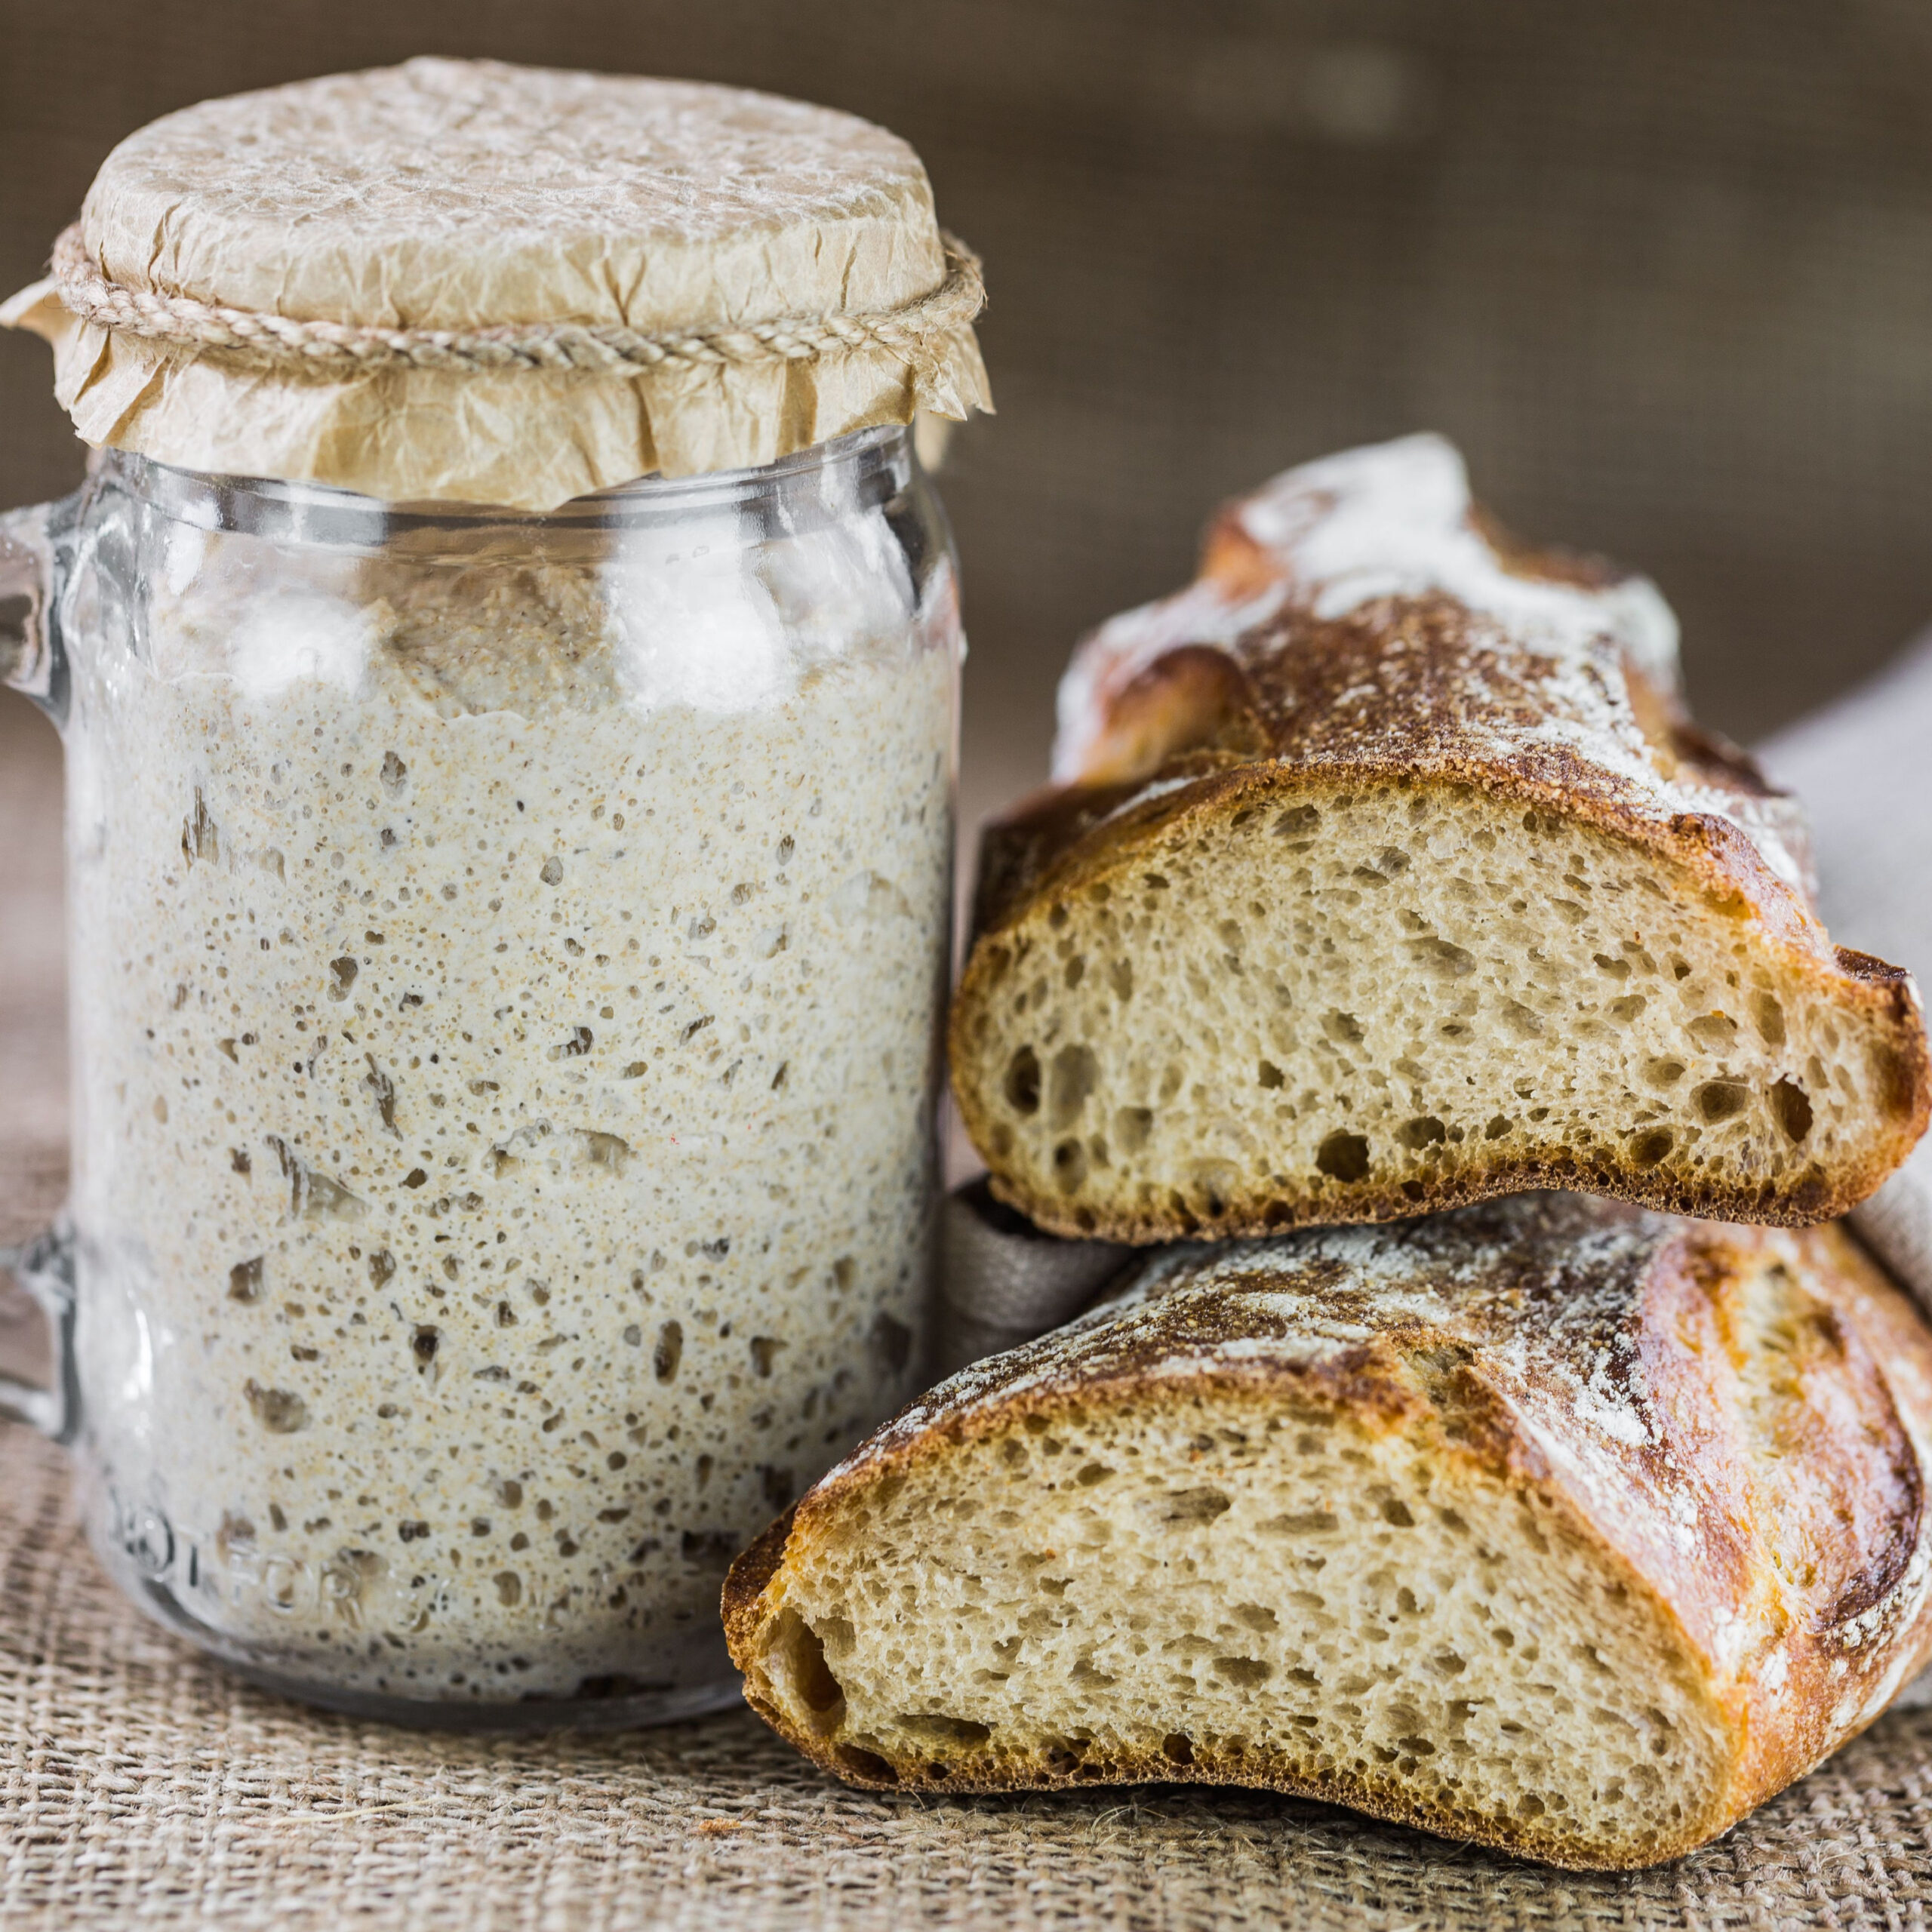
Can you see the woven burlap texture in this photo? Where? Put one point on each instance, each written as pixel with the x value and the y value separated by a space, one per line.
pixel 143 1786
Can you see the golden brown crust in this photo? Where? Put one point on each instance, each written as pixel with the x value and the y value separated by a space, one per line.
pixel 1414 690
pixel 1239 694
pixel 752 1569
pixel 1736 1420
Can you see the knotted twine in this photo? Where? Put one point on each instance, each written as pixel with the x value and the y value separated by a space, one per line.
pixel 257 338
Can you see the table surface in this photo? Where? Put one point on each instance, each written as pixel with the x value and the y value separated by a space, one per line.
pixel 141 1785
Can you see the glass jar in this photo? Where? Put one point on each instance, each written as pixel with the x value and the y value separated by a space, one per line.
pixel 508 952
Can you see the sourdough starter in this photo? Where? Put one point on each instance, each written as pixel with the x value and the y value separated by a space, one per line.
pixel 506 1015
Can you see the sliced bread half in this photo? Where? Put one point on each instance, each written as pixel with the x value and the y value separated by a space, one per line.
pixel 1387 872
pixel 1551 1523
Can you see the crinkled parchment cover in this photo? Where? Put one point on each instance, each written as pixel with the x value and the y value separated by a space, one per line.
pixel 448 194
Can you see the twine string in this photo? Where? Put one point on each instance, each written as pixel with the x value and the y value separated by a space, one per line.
pixel 911 332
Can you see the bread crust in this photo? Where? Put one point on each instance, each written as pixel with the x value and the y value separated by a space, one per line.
pixel 1240 695
pixel 1595 1360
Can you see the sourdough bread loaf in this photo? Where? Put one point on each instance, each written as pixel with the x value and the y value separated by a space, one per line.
pixel 1552 1523
pixel 1386 871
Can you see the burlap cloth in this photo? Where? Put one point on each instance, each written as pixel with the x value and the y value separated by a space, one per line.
pixel 140 1785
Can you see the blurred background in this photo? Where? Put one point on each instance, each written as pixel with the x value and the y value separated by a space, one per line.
pixel 1663 268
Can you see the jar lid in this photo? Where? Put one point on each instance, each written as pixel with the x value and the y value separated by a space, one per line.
pixel 464 280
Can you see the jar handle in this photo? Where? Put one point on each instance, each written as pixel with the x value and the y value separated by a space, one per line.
pixel 45 1267
pixel 35 547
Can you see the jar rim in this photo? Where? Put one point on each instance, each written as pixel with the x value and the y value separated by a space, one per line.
pixel 866 467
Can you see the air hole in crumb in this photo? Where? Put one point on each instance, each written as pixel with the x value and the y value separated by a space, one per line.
pixel 867 1764
pixel 1446 961
pixel 1525 1024
pixel 1791 1109
pixel 1196 1505
pixel 796 1657
pixel 1069 1166
pixel 1415 1133
pixel 1270 1074
pixel 1246 1671
pixel 1213 1182
pixel 1647 1149
pixel 1768 1017
pixel 1177 1748
pixel 1076 1072
pixel 945 1727
pixel 1023 1082
pixel 1720 1099
pixel 1132 1125
pixel 1343 1156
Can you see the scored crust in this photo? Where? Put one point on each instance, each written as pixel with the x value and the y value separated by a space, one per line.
pixel 1596 1473
pixel 1377 741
